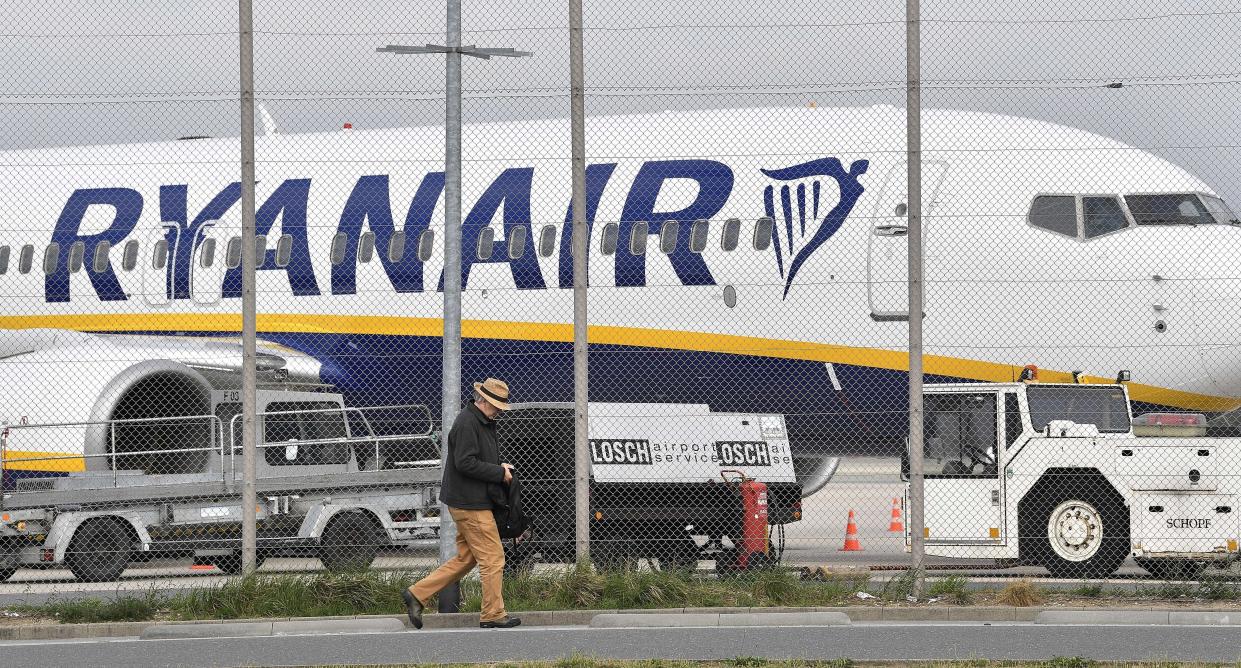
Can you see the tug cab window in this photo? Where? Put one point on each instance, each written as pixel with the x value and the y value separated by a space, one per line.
pixel 1103 406
pixel 960 434
pixel 1169 209
pixel 1055 213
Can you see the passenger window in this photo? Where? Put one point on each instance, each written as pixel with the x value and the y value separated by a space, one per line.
pixel 698 236
pixel 232 255
pixel 1101 215
pixel 396 246
pixel 608 243
pixel 338 247
pixel 668 236
pixel 486 243
pixel 426 245
pixel 637 237
pixel 762 233
pixel 547 241
pixel 260 250
pixel 26 260
pixel 100 263
pixel 1055 213
pixel 732 233
pixel 366 247
pixel 4 260
pixel 516 242
pixel 77 252
pixel 129 258
pixel 206 254
pixel 284 250
pixel 51 258
pixel 159 254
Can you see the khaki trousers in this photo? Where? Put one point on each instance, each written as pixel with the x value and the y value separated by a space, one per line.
pixel 478 542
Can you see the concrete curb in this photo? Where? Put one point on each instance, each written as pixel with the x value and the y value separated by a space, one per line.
pixel 1140 617
pixel 284 628
pixel 681 620
pixel 583 618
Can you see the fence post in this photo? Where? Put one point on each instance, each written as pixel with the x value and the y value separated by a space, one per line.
pixel 913 161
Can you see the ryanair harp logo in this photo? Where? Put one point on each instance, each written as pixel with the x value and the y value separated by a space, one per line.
pixel 799 231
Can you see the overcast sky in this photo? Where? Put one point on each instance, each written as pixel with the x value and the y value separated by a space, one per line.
pixel 95 71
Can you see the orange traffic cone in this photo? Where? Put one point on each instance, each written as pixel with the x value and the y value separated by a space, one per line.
pixel 851 541
pixel 896 525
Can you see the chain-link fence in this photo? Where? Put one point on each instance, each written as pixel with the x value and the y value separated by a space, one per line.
pixel 748 304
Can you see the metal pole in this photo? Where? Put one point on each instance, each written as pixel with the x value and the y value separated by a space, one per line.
pixel 581 371
pixel 450 597
pixel 913 158
pixel 248 370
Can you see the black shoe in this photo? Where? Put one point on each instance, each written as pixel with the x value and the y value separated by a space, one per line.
pixel 506 623
pixel 413 607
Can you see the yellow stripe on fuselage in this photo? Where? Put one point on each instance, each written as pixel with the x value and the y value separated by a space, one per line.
pixel 894 360
pixel 19 460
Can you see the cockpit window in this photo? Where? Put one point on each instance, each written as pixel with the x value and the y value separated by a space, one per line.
pixel 1168 209
pixel 1101 215
pixel 1220 210
pixel 1055 213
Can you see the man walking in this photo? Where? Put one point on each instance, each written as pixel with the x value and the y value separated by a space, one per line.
pixel 472 473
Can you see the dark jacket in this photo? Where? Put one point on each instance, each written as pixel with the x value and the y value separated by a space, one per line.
pixel 472 474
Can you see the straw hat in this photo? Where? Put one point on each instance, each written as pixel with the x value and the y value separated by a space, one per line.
pixel 494 391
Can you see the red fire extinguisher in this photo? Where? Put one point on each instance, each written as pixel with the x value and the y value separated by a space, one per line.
pixel 752 545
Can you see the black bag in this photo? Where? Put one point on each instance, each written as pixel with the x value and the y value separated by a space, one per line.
pixel 510 519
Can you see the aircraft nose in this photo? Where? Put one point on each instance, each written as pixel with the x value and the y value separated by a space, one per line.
pixel 1217 297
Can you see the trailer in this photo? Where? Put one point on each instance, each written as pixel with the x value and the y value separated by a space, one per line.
pixel 95 496
pixel 1062 476
pixel 660 487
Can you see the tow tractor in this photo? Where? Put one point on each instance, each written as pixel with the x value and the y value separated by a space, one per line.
pixel 1062 476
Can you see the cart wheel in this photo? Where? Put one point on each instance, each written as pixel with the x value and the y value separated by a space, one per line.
pixel 1173 569
pixel 726 564
pixel 680 554
pixel 349 543
pixel 100 550
pixel 759 561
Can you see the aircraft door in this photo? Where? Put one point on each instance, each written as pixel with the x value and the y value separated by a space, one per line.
pixel 208 265
pixel 887 257
pixel 155 259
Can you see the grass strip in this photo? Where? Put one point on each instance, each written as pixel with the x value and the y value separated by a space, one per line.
pixel 575 588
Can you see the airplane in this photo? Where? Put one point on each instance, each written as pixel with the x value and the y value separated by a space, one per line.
pixel 748 259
